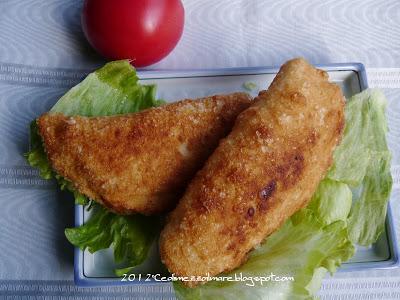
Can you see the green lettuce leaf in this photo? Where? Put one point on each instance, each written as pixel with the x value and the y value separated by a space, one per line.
pixel 350 160
pixel 325 201
pixel 36 157
pixel 113 89
pixel 368 214
pixel 362 161
pixel 130 236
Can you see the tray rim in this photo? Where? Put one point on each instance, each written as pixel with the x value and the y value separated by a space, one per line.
pixel 393 261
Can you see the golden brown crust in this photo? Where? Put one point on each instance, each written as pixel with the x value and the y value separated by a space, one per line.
pixel 265 170
pixel 139 162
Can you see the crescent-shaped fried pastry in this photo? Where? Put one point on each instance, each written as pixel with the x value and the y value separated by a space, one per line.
pixel 264 171
pixel 139 162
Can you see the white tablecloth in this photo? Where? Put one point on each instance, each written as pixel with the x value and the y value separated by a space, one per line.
pixel 43 53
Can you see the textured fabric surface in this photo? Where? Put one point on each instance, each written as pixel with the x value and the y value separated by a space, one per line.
pixel 43 53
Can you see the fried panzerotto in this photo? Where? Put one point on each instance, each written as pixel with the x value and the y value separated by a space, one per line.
pixel 264 171
pixel 139 162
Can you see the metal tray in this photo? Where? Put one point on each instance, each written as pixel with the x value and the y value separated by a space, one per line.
pixel 97 269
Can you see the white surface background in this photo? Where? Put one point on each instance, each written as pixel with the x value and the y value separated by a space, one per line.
pixel 43 53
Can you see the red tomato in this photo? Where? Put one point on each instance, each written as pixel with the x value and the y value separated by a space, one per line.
pixel 142 30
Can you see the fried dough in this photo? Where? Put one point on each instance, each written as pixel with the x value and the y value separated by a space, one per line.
pixel 140 162
pixel 264 171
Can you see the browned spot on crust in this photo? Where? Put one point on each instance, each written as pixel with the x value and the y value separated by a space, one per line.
pixel 289 172
pixel 209 203
pixel 207 198
pixel 231 246
pixel 117 133
pixel 238 208
pixel 238 236
pixel 313 137
pixel 268 190
pixel 240 233
pixel 263 132
pixel 263 206
pixel 298 97
pixel 340 126
pixel 250 212
pixel 235 175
